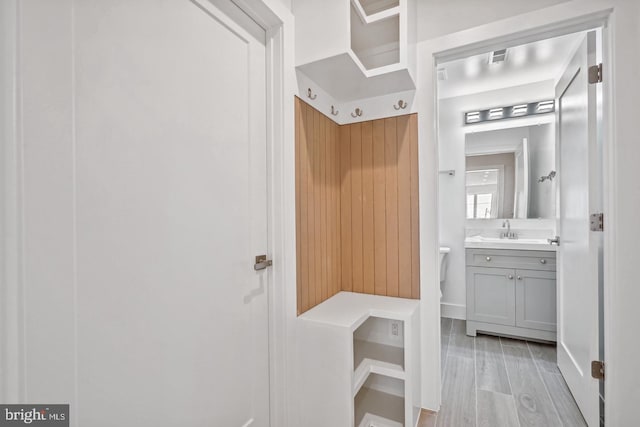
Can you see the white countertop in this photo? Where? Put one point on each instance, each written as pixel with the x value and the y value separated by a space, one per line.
pixel 528 244
pixel 349 309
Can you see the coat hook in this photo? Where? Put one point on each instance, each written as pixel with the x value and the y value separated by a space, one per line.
pixel 310 95
pixel 401 105
pixel 334 112
pixel 356 113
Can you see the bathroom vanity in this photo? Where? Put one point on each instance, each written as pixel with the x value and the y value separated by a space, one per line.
pixel 511 288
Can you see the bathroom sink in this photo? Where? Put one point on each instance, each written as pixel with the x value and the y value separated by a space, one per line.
pixel 498 243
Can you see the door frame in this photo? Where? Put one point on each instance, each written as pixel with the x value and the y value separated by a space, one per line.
pixel 10 213
pixel 542 24
pixel 277 21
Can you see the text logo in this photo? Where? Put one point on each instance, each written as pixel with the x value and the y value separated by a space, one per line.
pixel 34 415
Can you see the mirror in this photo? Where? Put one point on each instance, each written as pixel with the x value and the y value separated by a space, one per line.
pixel 510 173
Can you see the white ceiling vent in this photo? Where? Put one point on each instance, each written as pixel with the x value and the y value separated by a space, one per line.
pixel 497 56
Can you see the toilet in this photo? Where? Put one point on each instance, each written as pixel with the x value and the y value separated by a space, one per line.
pixel 443 266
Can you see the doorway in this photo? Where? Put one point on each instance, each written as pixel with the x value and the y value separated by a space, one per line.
pixel 500 106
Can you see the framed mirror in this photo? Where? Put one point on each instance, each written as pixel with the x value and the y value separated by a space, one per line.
pixel 510 173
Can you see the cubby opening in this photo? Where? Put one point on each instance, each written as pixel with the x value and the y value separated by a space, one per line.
pixel 379 341
pixel 380 403
pixel 372 7
pixel 376 44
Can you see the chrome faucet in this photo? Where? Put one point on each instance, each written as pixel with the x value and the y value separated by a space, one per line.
pixel 508 234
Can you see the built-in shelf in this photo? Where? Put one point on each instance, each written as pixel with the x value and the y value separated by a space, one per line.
pixel 380 403
pixel 391 355
pixel 366 346
pixel 374 11
pixel 357 49
pixel 370 366
pixel 375 44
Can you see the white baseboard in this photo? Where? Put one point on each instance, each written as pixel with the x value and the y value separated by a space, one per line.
pixel 454 311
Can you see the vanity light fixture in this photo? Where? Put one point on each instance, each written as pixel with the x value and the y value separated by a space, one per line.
pixel 496 113
pixel 509 112
pixel 519 110
pixel 546 106
pixel 473 117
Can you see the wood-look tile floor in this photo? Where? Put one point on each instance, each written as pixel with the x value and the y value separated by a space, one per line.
pixel 493 382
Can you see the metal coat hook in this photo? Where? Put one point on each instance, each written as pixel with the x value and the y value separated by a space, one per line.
pixel 356 113
pixel 334 112
pixel 401 105
pixel 310 95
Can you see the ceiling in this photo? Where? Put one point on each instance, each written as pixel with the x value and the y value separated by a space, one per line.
pixel 528 63
pixel 487 176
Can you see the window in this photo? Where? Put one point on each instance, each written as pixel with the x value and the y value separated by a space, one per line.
pixel 482 193
pixel 479 205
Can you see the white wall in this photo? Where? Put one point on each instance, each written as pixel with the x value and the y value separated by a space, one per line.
pixel 451 153
pixel 542 200
pixel 440 17
pixel 286 3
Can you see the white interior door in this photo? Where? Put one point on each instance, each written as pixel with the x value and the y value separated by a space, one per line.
pixel 172 319
pixel 578 253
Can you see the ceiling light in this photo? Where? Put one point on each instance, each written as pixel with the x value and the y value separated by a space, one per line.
pixel 496 113
pixel 545 106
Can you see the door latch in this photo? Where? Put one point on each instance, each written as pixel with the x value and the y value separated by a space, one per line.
pixel 262 262
pixel 597 369
pixel 595 74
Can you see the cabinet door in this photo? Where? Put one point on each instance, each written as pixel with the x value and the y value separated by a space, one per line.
pixel 491 295
pixel 536 299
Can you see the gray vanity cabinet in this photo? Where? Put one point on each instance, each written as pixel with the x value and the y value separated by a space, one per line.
pixel 492 295
pixel 511 292
pixel 536 300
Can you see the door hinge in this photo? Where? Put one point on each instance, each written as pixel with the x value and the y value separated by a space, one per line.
pixel 595 74
pixel 597 369
pixel 597 222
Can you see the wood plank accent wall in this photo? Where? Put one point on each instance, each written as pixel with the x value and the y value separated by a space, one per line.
pixel 379 207
pixel 356 207
pixel 317 207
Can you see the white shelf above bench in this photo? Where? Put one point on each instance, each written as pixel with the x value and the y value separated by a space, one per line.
pixel 349 309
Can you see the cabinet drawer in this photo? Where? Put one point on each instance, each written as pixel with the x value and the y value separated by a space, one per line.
pixel 500 258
